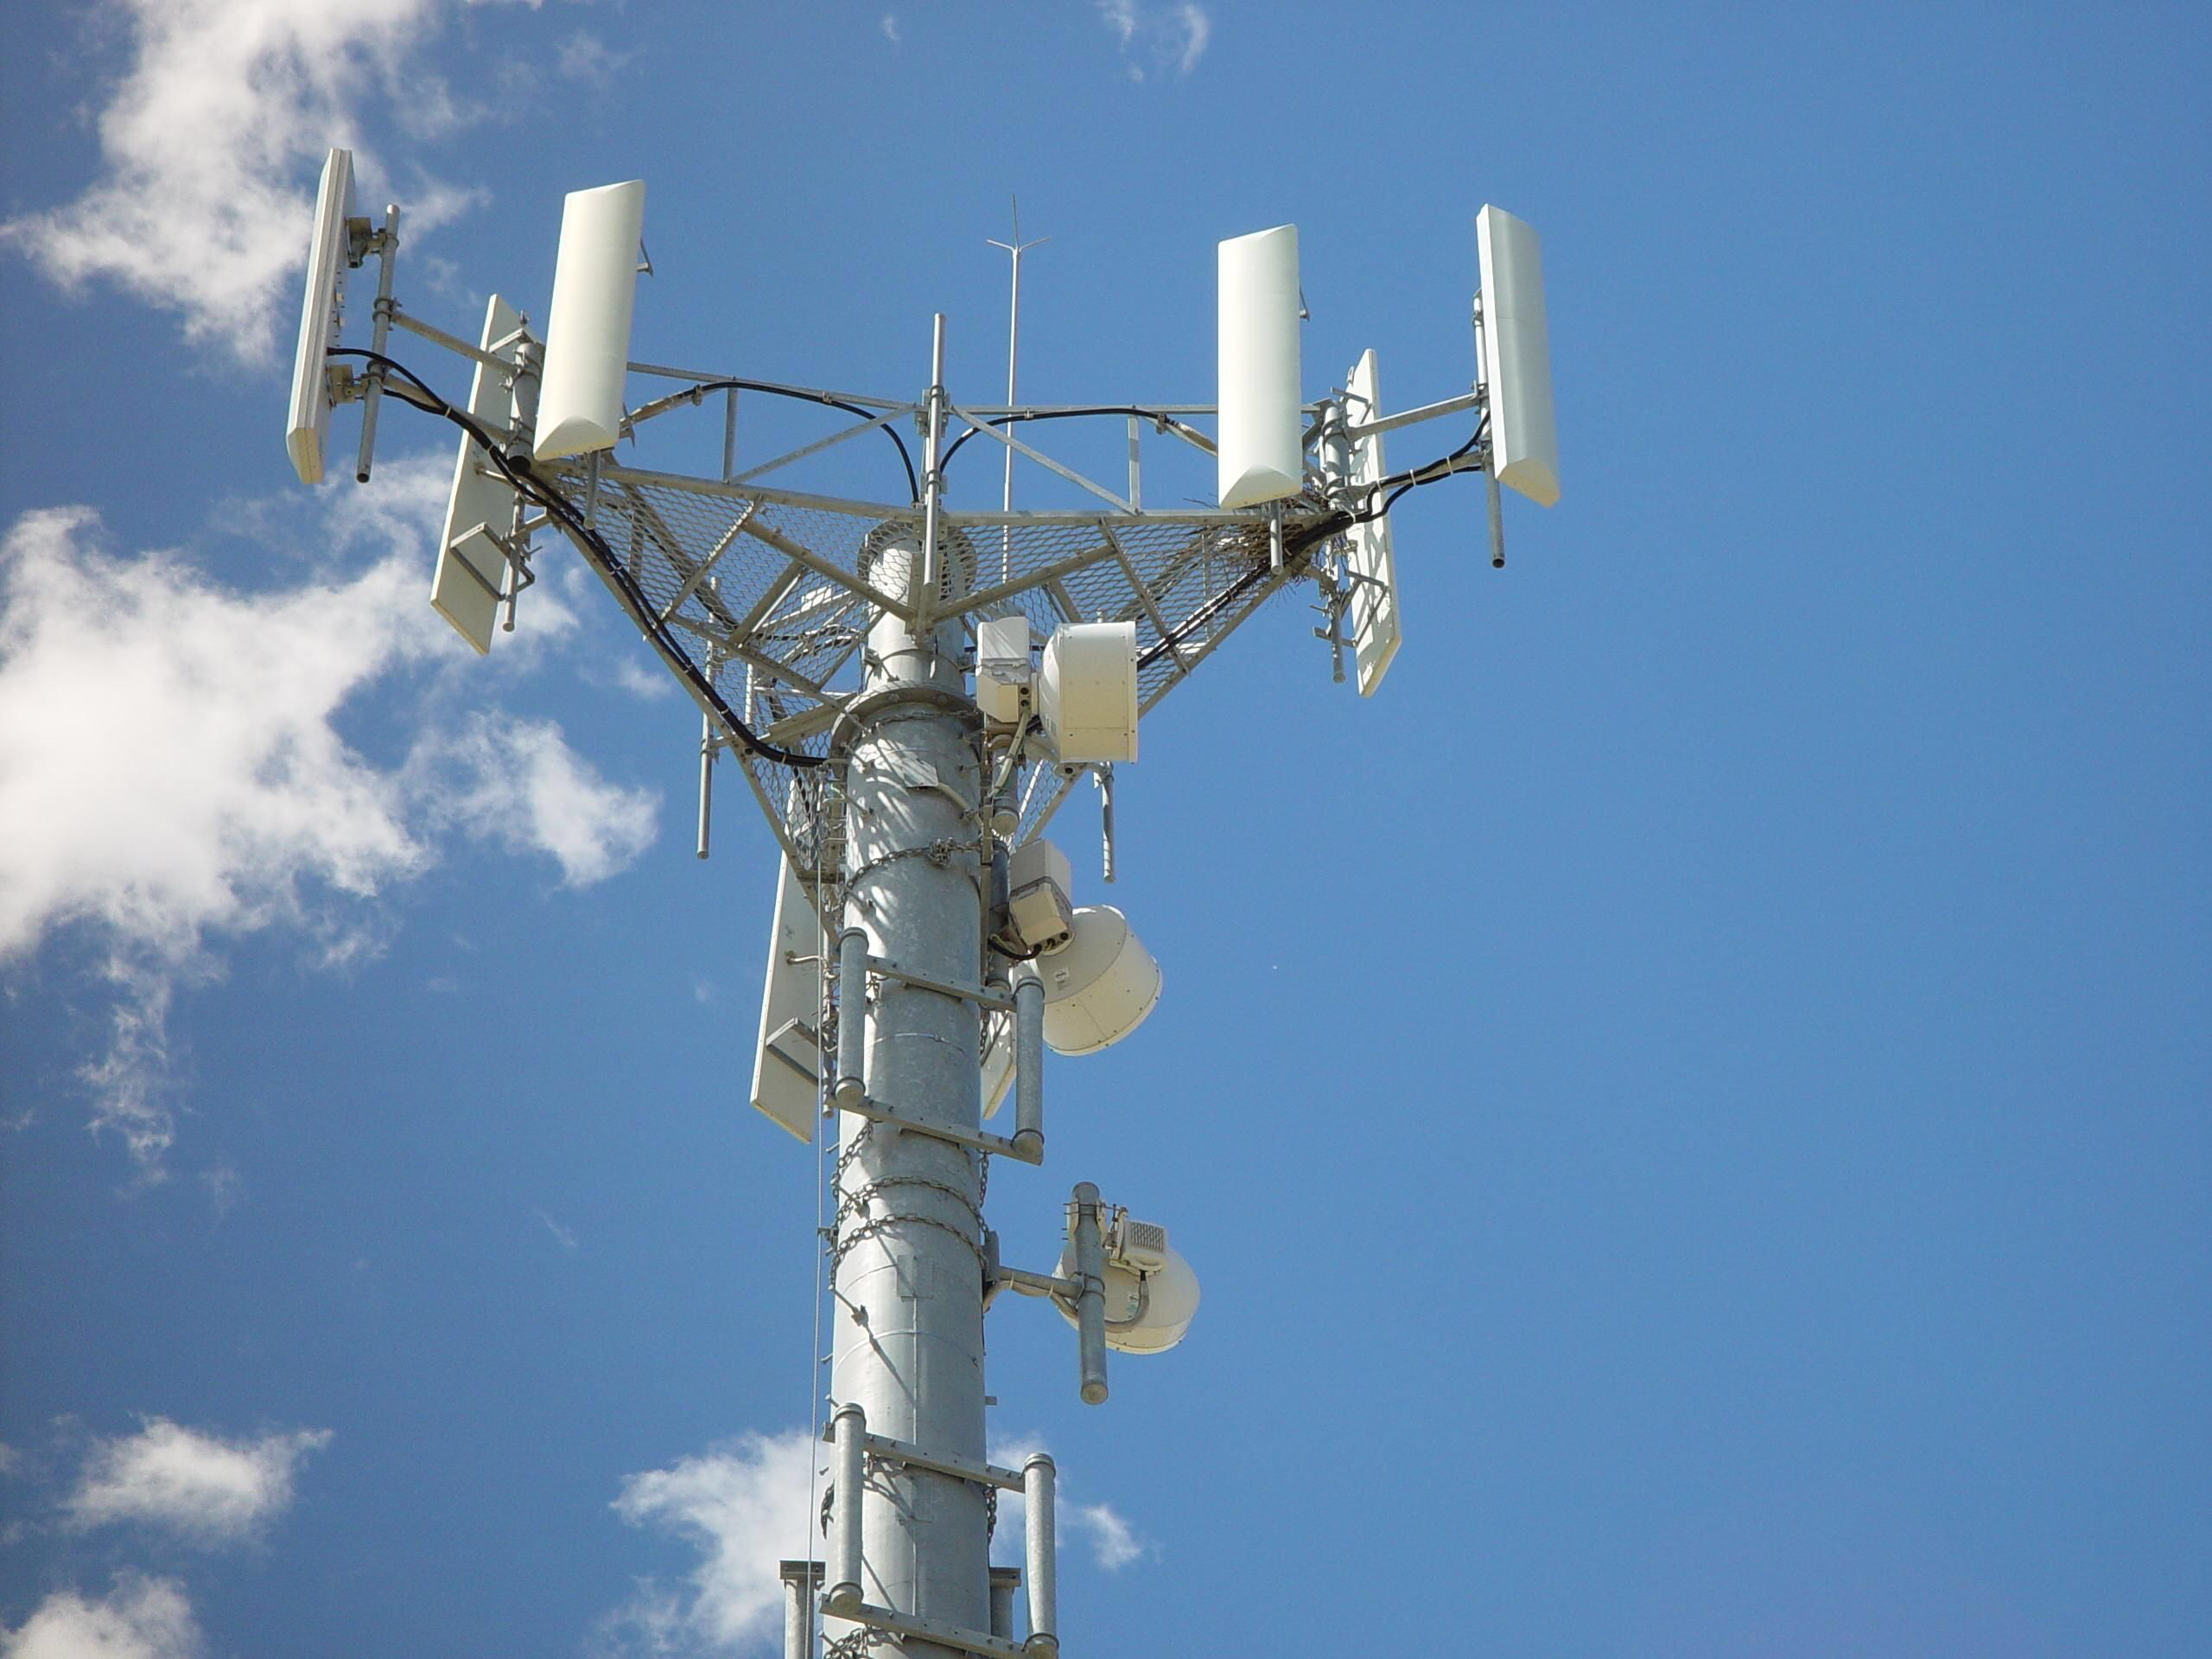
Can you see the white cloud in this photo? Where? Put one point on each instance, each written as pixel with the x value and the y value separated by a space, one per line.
pixel 890 27
pixel 516 782
pixel 206 1489
pixel 1171 37
pixel 746 1505
pixel 171 769
pixel 139 1619
pixel 211 142
pixel 565 1237
pixel 1113 1540
pixel 583 56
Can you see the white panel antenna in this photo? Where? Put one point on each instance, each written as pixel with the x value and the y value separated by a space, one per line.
pixel 580 405
pixel 1374 630
pixel 1261 450
pixel 329 258
pixel 1516 357
pixel 480 510
pixel 787 1066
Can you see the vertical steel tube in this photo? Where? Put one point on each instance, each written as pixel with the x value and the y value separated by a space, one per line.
pixel 1090 1302
pixel 845 1551
pixel 909 1246
pixel 1004 1581
pixel 1037 1525
pixel 706 779
pixel 922 592
pixel 1105 776
pixel 852 1016
pixel 1028 1061
pixel 379 332
pixel 798 1619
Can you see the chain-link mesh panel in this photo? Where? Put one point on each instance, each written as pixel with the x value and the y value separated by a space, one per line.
pixel 766 598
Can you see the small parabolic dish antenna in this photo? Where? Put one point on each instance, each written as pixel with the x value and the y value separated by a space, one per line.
pixel 1099 986
pixel 329 258
pixel 1260 448
pixel 1152 1293
pixel 1517 357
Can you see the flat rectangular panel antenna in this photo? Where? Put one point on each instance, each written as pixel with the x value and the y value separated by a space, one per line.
pixel 1374 630
pixel 480 509
pixel 787 1066
pixel 1261 450
pixel 1516 357
pixel 329 258
pixel 587 328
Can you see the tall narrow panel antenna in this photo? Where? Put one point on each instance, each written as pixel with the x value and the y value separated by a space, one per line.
pixel 587 330
pixel 481 508
pixel 327 263
pixel 787 1066
pixel 1262 455
pixel 1375 633
pixel 1517 357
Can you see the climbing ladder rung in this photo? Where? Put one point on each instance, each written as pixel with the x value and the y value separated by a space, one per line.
pixel 942 1462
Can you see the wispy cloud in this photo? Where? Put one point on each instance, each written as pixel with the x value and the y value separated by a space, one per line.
pixel 202 1488
pixel 210 143
pixel 139 1619
pixel 1158 40
pixel 890 27
pixel 744 1505
pixel 171 768
pixel 584 57
pixel 565 1237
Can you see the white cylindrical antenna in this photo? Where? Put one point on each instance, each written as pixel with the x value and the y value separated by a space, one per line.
pixel 587 332
pixel 1262 452
pixel 1516 357
pixel 851 1431
pixel 1037 1527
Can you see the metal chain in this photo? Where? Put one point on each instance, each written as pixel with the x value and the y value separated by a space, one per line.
pixel 939 852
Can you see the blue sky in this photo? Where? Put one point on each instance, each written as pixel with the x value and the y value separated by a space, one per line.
pixel 1690 1107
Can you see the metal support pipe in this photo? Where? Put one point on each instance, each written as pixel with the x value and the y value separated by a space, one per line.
pixel 1005 1580
pixel 1029 1059
pixel 909 1247
pixel 800 1581
pixel 706 779
pixel 929 575
pixel 379 332
pixel 1105 776
pixel 1037 1522
pixel 1090 1302
pixel 852 1017
pixel 844 1594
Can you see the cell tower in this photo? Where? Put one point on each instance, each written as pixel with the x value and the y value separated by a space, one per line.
pixel 911 693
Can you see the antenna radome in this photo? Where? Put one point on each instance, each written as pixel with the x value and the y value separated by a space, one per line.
pixel 580 405
pixel 329 258
pixel 1516 357
pixel 1261 450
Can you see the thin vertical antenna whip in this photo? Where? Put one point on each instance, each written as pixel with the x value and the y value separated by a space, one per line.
pixel 1016 247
